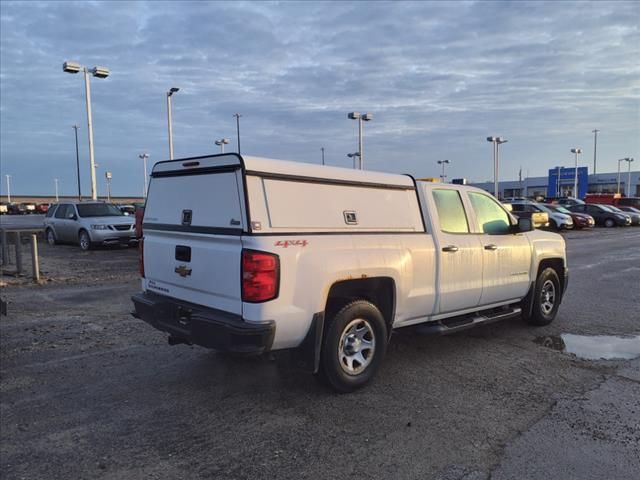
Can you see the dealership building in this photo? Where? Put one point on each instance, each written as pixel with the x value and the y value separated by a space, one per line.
pixel 550 187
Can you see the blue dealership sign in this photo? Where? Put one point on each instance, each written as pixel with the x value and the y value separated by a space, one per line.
pixel 561 181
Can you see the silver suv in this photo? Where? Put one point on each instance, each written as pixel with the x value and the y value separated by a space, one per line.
pixel 89 223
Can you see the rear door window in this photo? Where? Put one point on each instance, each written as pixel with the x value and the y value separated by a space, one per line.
pixel 61 211
pixel 451 213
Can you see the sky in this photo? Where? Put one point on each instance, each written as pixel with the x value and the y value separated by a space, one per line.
pixel 438 78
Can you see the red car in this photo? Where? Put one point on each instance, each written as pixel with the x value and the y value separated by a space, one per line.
pixel 580 220
pixel 42 208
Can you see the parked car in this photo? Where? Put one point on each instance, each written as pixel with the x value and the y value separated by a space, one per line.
pixel 557 220
pixel 564 201
pixel 629 202
pixel 635 217
pixel 127 209
pixel 29 208
pixel 17 209
pixel 580 220
pixel 42 208
pixel 88 224
pixel 602 215
pixel 228 264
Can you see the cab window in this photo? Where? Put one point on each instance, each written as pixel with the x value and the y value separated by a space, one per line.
pixel 453 218
pixel 492 218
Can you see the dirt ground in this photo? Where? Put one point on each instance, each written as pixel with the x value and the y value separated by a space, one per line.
pixel 87 391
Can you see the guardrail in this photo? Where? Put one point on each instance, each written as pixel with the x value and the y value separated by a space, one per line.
pixel 16 232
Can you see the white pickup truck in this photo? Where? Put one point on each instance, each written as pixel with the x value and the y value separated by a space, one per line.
pixel 252 255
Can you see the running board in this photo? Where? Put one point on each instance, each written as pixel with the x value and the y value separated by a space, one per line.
pixel 456 324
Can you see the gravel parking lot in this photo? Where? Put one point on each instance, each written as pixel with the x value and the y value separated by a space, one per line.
pixel 87 391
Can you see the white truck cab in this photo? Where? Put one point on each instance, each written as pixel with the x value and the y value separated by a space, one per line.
pixel 253 255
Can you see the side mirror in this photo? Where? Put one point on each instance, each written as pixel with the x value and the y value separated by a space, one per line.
pixel 72 216
pixel 525 225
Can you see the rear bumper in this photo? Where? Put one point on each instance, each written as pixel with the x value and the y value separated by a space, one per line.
pixel 207 327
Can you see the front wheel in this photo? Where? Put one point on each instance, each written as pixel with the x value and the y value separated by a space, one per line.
pixel 84 240
pixel 546 298
pixel 353 347
pixel 51 237
pixel 609 222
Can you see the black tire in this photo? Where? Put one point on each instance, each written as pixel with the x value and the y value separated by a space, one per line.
pixel 358 327
pixel 546 298
pixel 50 237
pixel 609 223
pixel 84 240
pixel 554 225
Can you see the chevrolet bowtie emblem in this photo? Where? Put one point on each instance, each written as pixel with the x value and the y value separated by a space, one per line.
pixel 183 271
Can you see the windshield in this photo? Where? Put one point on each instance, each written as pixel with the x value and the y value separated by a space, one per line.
pixel 544 208
pixel 99 210
pixel 561 209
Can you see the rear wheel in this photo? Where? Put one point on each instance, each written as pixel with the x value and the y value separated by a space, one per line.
pixel 51 237
pixel 353 346
pixel 609 222
pixel 84 240
pixel 546 298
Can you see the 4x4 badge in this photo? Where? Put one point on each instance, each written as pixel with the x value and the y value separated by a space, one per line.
pixel 183 271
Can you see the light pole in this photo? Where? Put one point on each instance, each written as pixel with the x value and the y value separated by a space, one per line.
pixel 353 156
pixel 107 176
pixel 8 188
pixel 595 146
pixel 55 181
pixel 496 142
pixel 221 143
pixel 443 162
pixel 75 127
pixel 237 115
pixel 170 93
pixel 99 72
pixel 144 157
pixel 364 117
pixel 322 150
pixel 576 151
pixel 629 160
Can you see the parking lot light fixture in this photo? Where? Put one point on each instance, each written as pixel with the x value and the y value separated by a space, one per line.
pixel 55 182
pixel 576 151
pixel 353 156
pixel 621 160
pixel 496 142
pixel 365 117
pixel 8 188
pixel 629 160
pixel 170 93
pixel 99 72
pixel 443 163
pixel 221 143
pixel 144 157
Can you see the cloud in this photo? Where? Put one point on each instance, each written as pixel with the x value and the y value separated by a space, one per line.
pixel 438 76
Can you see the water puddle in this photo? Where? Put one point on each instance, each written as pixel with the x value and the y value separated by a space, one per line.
pixel 594 347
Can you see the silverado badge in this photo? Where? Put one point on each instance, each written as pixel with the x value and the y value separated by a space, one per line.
pixel 183 271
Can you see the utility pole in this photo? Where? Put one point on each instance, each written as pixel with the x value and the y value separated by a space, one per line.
pixel 8 188
pixel 322 149
pixel 595 146
pixel 237 115
pixel 75 127
pixel 55 181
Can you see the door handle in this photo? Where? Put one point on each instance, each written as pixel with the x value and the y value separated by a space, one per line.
pixel 491 247
pixel 450 248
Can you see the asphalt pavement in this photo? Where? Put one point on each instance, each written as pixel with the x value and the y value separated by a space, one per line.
pixel 87 391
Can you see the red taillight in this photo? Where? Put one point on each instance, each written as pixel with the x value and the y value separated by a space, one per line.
pixel 141 256
pixel 260 276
